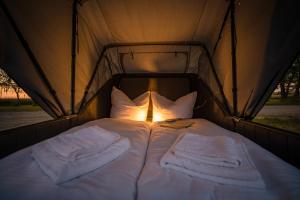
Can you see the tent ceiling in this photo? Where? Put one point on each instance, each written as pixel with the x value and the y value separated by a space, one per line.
pixel 46 26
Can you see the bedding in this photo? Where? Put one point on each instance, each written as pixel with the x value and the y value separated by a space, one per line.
pixel 219 151
pixel 22 178
pixel 164 109
pixel 220 159
pixel 125 108
pixel 68 156
pixel 282 181
pixel 81 143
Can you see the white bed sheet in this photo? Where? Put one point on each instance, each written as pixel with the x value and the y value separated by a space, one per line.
pixel 282 180
pixel 21 177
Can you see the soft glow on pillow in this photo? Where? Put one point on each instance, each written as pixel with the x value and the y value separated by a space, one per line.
pixel 140 114
pixel 125 108
pixel 157 116
pixel 164 108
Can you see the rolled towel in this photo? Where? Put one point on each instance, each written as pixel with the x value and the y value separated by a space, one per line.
pixel 244 175
pixel 215 150
pixel 64 165
pixel 83 142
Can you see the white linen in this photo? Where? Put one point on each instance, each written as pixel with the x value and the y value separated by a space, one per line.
pixel 205 164
pixel 281 179
pixel 81 143
pixel 215 150
pixel 125 108
pixel 164 109
pixel 60 169
pixel 21 177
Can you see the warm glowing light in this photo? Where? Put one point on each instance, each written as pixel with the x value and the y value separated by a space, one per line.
pixel 140 115
pixel 157 117
pixel 162 115
pixel 136 113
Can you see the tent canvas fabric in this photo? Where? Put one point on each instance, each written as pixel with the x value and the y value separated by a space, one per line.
pixel 61 52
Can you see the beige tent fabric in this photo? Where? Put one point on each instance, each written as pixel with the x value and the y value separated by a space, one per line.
pixel 17 65
pixel 264 50
pixel 105 22
pixel 277 45
pixel 253 30
pixel 222 61
pixel 46 26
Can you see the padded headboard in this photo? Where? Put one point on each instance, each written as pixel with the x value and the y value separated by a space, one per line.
pixel 171 86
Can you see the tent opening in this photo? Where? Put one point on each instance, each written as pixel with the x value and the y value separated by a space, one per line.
pixel 16 107
pixel 282 110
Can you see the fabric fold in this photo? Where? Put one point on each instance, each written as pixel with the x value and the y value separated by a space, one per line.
pixel 217 150
pixel 81 143
pixel 68 156
pixel 216 158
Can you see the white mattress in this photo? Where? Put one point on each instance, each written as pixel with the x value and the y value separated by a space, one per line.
pixel 282 180
pixel 21 177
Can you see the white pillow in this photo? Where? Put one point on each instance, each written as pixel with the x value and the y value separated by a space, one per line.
pixel 164 108
pixel 125 108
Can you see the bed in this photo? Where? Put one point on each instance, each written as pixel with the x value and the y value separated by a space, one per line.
pixel 138 174
pixel 21 177
pixel 282 180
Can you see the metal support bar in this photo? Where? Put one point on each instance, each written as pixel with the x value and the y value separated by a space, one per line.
pixel 121 63
pixel 50 105
pixel 31 56
pixel 73 52
pixel 221 30
pixel 92 78
pixel 187 64
pixel 233 58
pixel 115 45
pixel 217 80
pixel 109 65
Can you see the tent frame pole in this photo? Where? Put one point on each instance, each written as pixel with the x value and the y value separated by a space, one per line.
pixel 233 57
pixel 73 52
pixel 217 80
pixel 92 78
pixel 33 59
pixel 116 45
pixel 221 30
pixel 109 65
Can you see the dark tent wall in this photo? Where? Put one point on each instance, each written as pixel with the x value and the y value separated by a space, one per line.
pixel 60 51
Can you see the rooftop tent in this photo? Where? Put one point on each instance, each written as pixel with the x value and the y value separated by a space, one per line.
pixel 69 54
pixel 62 52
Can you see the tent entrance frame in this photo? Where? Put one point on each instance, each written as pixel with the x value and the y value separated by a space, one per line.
pixel 137 44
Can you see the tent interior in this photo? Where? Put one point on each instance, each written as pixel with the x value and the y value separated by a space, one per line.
pixel 67 55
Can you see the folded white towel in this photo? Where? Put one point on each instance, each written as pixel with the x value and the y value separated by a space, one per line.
pixel 61 169
pixel 216 150
pixel 83 142
pixel 245 174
